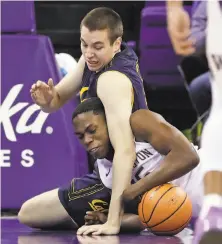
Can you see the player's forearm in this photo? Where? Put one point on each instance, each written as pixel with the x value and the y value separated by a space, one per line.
pixel 67 88
pixel 173 167
pixel 122 173
pixel 174 3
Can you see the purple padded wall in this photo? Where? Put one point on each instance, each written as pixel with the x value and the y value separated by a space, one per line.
pixel 157 58
pixel 39 151
pixel 18 16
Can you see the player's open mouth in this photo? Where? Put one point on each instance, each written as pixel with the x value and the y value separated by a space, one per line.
pixel 92 63
pixel 93 150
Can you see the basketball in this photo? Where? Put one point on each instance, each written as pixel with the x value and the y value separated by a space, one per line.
pixel 165 209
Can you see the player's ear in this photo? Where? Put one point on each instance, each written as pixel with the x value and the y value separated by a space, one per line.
pixel 117 44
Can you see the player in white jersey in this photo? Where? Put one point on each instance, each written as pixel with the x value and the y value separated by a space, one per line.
pixel 209 225
pixel 163 153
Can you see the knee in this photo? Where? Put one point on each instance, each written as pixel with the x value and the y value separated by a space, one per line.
pixel 200 84
pixel 25 213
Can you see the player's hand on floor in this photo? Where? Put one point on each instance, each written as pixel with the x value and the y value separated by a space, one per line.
pixel 42 93
pixel 104 229
pixel 98 239
pixel 95 217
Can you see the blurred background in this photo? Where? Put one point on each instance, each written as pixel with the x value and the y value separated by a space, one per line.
pixel 41 40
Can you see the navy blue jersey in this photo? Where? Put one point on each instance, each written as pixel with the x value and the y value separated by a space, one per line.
pixel 125 62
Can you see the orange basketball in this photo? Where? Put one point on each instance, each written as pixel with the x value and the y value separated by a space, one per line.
pixel 165 209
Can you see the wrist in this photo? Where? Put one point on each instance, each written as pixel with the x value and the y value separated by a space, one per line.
pixel 113 222
pixel 138 188
pixel 46 108
pixel 115 219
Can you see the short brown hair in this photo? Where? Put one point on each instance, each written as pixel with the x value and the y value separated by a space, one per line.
pixel 104 18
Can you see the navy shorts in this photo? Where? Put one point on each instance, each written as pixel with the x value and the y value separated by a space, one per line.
pixel 87 194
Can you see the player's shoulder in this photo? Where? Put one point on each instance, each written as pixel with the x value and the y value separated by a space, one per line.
pixel 125 58
pixel 144 123
pixel 145 115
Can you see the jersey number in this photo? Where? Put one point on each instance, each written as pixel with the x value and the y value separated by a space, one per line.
pixel 139 174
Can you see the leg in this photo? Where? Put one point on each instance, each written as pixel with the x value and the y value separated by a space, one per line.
pixel 84 194
pixel 45 211
pixel 200 92
pixel 208 226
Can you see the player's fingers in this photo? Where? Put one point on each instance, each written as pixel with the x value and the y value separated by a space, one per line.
pixel 39 83
pixel 90 222
pixel 85 230
pixel 184 51
pixel 90 217
pixel 88 231
pixel 183 41
pixel 105 211
pixel 90 212
pixel 186 44
pixel 33 96
pixel 50 83
pixel 81 230
pixel 33 87
pixel 96 233
pixel 81 239
pixel 185 48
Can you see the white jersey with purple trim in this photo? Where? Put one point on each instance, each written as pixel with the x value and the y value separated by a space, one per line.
pixel 147 160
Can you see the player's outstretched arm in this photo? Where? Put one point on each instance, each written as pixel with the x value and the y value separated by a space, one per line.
pixel 115 91
pixel 49 97
pixel 181 157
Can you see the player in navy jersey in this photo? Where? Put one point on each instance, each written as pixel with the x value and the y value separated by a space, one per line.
pixel 107 69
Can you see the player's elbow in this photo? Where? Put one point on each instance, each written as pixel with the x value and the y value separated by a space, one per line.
pixel 193 159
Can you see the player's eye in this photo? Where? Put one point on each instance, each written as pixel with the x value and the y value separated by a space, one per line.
pixel 98 48
pixel 92 131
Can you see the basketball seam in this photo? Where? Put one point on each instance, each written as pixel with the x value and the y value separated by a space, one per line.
pixel 172 213
pixel 156 205
pixel 159 232
pixel 144 197
pixel 142 205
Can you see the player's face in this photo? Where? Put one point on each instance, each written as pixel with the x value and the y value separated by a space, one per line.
pixel 96 48
pixel 91 129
